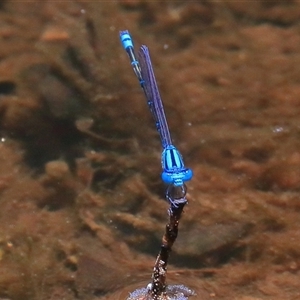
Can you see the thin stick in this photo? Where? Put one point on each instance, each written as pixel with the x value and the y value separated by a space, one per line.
pixel 176 197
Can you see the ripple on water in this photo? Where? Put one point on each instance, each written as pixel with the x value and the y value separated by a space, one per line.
pixel 173 292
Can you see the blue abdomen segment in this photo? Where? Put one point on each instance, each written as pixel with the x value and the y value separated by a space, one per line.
pixel 126 39
pixel 174 171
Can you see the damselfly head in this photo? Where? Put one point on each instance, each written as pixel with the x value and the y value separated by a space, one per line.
pixel 174 171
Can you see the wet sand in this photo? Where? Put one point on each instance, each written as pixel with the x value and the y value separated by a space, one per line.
pixel 82 204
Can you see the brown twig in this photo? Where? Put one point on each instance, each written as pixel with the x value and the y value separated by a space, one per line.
pixel 176 196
